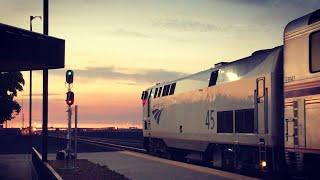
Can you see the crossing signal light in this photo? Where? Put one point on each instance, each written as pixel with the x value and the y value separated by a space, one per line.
pixel 70 98
pixel 69 76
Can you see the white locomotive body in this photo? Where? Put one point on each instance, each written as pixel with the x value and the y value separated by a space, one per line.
pixel 243 114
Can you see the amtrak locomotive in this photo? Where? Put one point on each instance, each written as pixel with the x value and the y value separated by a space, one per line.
pixel 261 112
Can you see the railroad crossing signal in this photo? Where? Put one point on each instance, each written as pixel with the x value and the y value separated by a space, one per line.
pixel 69 76
pixel 70 98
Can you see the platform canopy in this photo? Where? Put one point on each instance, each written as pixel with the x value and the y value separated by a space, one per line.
pixel 22 50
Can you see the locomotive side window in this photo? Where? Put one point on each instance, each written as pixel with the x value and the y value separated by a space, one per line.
pixel 315 52
pixel 145 95
pixel 225 122
pixel 150 94
pixel 155 93
pixel 160 90
pixel 213 78
pixel 244 121
pixel 172 88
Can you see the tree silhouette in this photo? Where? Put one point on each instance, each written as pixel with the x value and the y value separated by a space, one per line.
pixel 10 84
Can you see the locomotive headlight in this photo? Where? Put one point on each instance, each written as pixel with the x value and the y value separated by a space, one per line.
pixel 263 164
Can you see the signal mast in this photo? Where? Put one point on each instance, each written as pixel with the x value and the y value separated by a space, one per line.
pixel 69 101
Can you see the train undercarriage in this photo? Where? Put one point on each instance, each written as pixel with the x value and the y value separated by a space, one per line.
pixel 235 158
pixel 250 160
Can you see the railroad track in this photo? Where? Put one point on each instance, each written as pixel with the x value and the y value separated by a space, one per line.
pixel 115 144
pixel 131 143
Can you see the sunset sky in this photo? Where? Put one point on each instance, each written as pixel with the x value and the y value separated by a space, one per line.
pixel 117 48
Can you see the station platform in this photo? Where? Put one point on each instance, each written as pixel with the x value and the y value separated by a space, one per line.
pixel 15 166
pixel 145 167
pixel 130 164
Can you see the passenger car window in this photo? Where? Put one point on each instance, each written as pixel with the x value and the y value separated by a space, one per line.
pixel 315 52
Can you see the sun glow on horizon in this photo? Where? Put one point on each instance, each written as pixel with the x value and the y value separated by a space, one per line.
pixel 119 48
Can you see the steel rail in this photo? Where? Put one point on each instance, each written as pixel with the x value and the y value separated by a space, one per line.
pixel 116 146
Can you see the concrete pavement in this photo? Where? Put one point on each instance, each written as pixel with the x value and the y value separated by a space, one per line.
pixel 15 167
pixel 145 167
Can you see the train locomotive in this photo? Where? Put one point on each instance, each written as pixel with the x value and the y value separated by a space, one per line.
pixel 261 112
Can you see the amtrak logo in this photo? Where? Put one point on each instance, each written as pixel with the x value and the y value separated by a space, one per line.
pixel 156 114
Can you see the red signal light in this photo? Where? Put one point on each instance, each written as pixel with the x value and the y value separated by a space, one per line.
pixel 70 98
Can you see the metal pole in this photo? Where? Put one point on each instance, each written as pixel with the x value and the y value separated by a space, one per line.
pixel 75 133
pixel 69 133
pixel 30 93
pixel 30 90
pixel 69 137
pixel 45 89
pixel 30 103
